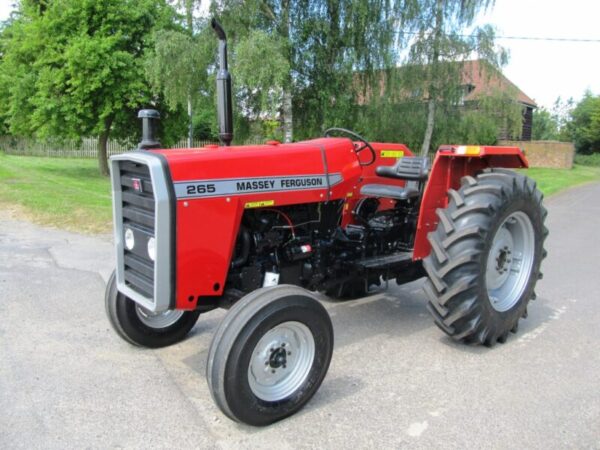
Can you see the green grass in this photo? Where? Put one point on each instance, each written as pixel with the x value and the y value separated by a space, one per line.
pixel 62 192
pixel 551 181
pixel 71 194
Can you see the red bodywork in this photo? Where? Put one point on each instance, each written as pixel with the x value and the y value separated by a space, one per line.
pixel 207 227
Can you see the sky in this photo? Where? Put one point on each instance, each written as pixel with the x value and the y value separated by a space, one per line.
pixel 544 70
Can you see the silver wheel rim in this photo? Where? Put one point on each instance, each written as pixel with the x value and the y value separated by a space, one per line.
pixel 510 261
pixel 281 361
pixel 158 320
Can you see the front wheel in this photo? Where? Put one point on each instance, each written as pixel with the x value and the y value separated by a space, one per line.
pixel 486 256
pixel 141 327
pixel 269 355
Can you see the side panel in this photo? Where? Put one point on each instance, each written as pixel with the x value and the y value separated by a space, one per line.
pixel 211 198
pixel 450 165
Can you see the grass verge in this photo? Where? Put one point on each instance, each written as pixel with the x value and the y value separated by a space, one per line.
pixel 61 192
pixel 551 181
pixel 71 194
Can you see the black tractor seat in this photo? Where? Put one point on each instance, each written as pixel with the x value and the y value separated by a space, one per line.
pixel 413 169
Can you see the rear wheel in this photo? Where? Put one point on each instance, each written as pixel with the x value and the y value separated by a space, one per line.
pixel 486 256
pixel 142 327
pixel 269 355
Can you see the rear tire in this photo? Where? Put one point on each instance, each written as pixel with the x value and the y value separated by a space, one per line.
pixel 269 355
pixel 485 256
pixel 141 327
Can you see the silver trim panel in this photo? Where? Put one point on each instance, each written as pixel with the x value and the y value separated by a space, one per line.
pixel 162 231
pixel 221 187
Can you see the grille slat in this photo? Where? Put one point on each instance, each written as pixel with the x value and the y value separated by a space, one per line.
pixel 127 180
pixel 138 212
pixel 139 282
pixel 138 200
pixel 139 265
pixel 130 166
pixel 138 215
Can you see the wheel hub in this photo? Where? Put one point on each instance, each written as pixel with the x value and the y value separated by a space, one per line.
pixel 510 261
pixel 281 361
pixel 278 357
pixel 503 260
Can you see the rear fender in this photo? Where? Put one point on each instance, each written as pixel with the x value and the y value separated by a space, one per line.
pixel 450 165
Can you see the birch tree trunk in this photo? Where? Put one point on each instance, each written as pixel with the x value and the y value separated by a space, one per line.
pixel 288 124
pixel 429 129
pixel 190 123
pixel 288 119
pixel 433 63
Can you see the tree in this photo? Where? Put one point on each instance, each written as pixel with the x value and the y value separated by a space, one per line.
pixel 177 69
pixel 584 126
pixel 177 65
pixel 316 46
pixel 401 115
pixel 545 126
pixel 438 44
pixel 75 67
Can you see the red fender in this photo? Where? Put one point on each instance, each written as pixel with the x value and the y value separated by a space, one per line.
pixel 451 163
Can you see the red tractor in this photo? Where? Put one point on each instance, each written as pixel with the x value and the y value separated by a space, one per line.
pixel 259 229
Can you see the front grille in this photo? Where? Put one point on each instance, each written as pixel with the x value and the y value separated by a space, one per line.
pixel 138 214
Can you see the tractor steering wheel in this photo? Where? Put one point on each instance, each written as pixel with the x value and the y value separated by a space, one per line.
pixel 357 137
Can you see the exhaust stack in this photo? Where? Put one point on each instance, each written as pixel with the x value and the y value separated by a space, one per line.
pixel 150 118
pixel 223 88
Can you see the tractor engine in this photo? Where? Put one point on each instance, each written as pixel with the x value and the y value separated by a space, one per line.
pixel 306 246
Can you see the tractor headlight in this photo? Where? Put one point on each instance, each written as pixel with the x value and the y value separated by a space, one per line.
pixel 152 249
pixel 129 239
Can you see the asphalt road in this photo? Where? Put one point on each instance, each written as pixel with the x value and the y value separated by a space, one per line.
pixel 67 380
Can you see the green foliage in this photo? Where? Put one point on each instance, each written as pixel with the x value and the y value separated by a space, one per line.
pixel 262 71
pixel 177 66
pixel 584 126
pixel 75 67
pixel 474 128
pixel 438 44
pixel 82 68
pixel 314 48
pixel 588 160
pixel 545 126
pixel 472 123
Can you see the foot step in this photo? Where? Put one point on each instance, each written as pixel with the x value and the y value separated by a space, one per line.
pixel 377 262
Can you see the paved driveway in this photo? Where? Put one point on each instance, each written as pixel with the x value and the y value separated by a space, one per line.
pixel 67 381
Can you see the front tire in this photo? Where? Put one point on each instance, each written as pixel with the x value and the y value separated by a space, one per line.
pixel 141 327
pixel 269 355
pixel 486 256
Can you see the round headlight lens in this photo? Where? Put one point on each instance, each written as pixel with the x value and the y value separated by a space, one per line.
pixel 152 248
pixel 129 239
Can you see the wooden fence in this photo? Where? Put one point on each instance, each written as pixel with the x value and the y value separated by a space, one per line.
pixel 84 148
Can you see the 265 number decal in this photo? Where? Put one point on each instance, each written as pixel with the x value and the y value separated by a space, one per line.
pixel 195 189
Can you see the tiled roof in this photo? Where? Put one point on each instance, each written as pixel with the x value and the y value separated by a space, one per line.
pixel 483 78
